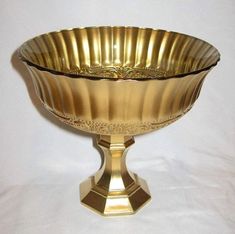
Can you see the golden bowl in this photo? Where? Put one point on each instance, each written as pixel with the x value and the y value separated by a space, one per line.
pixel 117 82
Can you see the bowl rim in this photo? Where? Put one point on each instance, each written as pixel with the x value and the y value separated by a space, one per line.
pixel 96 77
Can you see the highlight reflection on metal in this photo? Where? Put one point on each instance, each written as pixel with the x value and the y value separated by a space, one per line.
pixel 117 82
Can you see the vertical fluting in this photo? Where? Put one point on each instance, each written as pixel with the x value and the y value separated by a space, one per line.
pixel 93 38
pixel 116 49
pixel 131 36
pixel 106 49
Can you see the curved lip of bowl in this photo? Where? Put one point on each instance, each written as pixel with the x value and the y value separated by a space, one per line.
pixel 94 77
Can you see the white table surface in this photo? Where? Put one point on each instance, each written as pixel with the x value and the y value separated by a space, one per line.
pixel 189 166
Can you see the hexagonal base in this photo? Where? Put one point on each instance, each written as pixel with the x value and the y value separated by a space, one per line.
pixel 110 203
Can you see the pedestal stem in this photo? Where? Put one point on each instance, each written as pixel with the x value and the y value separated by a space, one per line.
pixel 113 190
pixel 113 174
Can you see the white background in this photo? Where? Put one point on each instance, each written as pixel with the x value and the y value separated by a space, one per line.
pixel 189 166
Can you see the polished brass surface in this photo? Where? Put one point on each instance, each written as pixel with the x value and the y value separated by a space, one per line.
pixel 117 82
pixel 113 190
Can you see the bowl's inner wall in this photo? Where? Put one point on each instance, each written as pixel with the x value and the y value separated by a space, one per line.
pixel 122 52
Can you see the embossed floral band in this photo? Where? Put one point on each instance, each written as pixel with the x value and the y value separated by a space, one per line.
pixel 117 82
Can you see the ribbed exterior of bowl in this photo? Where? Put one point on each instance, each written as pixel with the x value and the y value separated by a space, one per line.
pixel 117 106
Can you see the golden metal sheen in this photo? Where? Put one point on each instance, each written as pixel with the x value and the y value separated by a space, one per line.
pixel 117 82
pixel 113 190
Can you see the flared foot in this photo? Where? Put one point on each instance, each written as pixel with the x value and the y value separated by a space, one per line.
pixel 114 203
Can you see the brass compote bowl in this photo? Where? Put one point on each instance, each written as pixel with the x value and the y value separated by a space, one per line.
pixel 117 82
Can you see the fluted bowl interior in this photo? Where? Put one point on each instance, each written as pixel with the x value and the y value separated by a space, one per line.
pixel 118 80
pixel 119 52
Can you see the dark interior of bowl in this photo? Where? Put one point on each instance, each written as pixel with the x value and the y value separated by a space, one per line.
pixel 119 52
